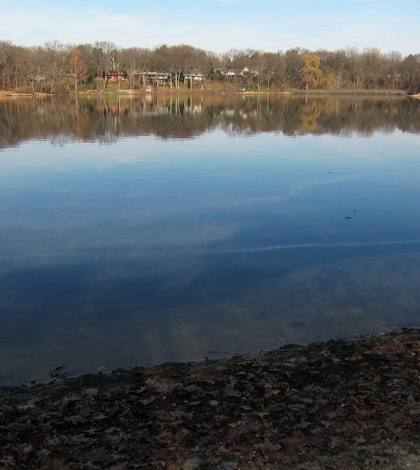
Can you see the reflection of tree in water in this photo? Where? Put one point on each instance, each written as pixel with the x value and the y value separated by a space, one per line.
pixel 312 111
pixel 80 122
pixel 105 119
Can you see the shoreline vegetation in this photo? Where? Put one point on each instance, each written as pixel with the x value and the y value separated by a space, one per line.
pixel 210 91
pixel 58 68
pixel 241 92
pixel 343 404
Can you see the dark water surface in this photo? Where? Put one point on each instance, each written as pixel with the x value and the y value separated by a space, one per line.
pixel 138 231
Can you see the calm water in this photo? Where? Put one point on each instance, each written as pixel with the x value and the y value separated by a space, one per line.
pixel 136 231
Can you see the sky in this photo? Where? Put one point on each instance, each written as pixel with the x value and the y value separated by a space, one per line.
pixel 217 25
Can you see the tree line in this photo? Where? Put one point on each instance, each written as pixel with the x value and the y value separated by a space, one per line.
pixel 62 68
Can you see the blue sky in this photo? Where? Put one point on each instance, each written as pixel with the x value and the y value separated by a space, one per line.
pixel 217 25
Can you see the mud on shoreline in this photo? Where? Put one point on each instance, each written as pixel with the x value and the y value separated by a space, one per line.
pixel 351 404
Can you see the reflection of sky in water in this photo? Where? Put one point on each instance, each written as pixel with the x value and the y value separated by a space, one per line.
pixel 147 251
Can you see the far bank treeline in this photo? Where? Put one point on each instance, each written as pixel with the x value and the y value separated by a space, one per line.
pixel 65 68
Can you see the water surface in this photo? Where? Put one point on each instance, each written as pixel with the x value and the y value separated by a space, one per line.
pixel 141 230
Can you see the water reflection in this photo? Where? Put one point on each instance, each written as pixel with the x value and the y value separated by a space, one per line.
pixel 103 120
pixel 176 248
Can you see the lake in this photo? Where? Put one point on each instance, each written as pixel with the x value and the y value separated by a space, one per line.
pixel 139 230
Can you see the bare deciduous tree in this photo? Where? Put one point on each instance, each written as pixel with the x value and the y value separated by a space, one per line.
pixel 78 69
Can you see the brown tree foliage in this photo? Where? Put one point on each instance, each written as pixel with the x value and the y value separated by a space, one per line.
pixel 57 68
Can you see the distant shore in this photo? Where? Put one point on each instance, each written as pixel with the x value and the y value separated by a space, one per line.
pixel 218 91
pixel 257 93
